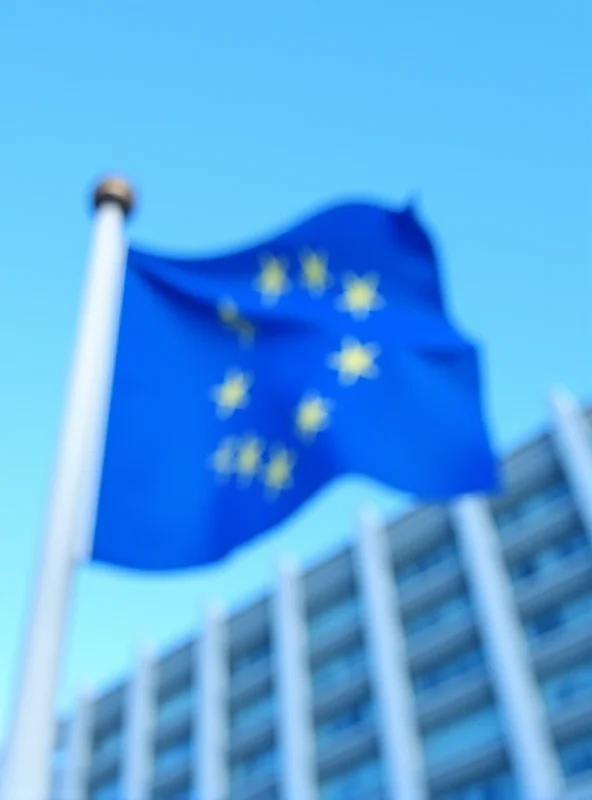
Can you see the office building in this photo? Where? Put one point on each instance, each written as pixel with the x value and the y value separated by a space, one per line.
pixel 444 655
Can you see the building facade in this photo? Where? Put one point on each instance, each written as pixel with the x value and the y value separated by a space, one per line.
pixel 446 655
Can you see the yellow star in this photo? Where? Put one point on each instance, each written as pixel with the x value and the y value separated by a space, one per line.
pixel 360 295
pixel 272 281
pixel 312 415
pixel 248 459
pixel 354 360
pixel 277 473
pixel 222 461
pixel 315 276
pixel 230 316
pixel 232 393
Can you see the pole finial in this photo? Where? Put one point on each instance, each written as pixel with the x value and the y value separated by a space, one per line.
pixel 114 189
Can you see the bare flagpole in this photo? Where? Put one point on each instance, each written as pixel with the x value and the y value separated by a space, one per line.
pixel 27 763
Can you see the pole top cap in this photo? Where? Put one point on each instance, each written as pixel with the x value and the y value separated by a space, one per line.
pixel 114 189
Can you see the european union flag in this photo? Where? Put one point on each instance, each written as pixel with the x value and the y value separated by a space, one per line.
pixel 244 383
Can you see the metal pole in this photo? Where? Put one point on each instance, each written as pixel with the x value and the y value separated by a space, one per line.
pixel 26 772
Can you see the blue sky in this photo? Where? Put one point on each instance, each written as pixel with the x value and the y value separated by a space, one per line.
pixel 231 119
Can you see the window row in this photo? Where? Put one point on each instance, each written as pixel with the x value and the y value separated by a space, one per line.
pixel 562 615
pixel 455 739
pixel 547 558
pixel 532 506
pixel 556 689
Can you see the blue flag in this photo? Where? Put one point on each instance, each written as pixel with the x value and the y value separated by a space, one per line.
pixel 244 383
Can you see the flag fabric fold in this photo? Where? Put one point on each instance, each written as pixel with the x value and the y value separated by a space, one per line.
pixel 244 383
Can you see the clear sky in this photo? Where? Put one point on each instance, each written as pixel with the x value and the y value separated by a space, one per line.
pixel 232 118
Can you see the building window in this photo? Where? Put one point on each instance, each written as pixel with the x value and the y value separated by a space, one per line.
pixel 172 756
pixel 531 507
pixel 456 607
pixel 107 746
pixel 573 544
pixel 259 654
pixel 576 757
pixel 445 553
pixel 61 740
pixel 335 615
pixel 494 787
pixel 460 736
pixel 183 793
pixel 567 687
pixel 459 664
pixel 257 766
pixel 347 719
pixel 257 711
pixel 560 616
pixel 59 759
pixel 363 779
pixel 339 668
pixel 546 560
pixel 175 706
pixel 105 791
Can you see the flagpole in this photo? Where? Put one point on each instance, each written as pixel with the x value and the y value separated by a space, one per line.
pixel 27 763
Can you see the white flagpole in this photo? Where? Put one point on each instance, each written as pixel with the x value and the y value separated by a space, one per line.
pixel 26 769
